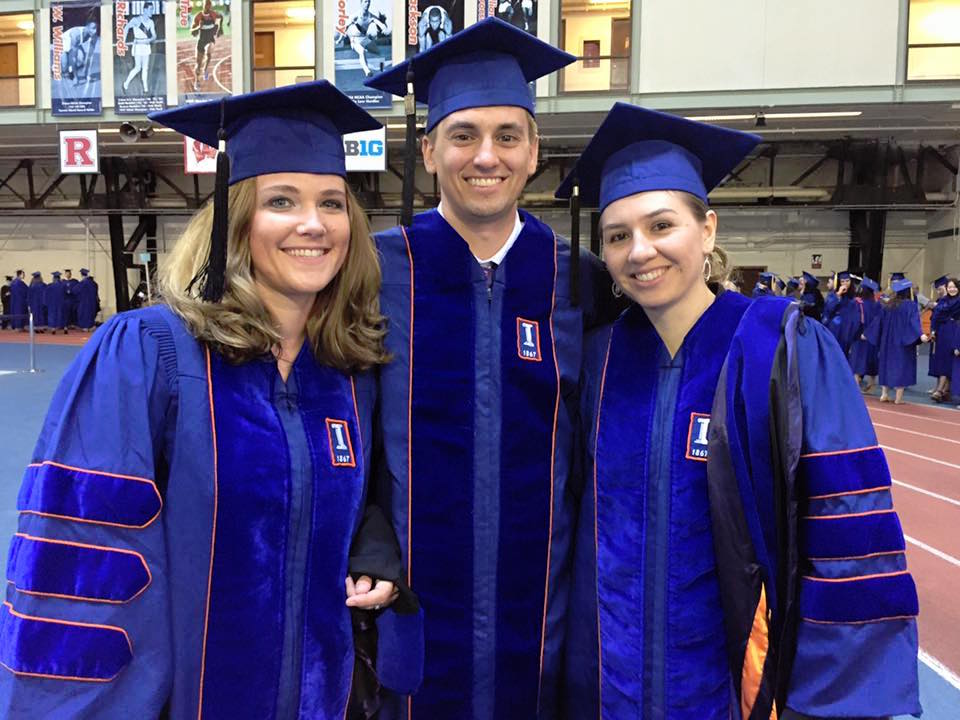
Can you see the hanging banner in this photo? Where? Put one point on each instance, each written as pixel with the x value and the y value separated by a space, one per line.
pixel 363 42
pixel 75 58
pixel 204 64
pixel 429 22
pixel 486 8
pixel 366 151
pixel 520 13
pixel 198 158
pixel 139 57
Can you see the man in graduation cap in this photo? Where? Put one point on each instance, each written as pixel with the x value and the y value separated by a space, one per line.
pixel 478 406
pixel 18 301
pixel 88 300
pixel 72 297
pixel 726 559
pixel 55 300
pixel 810 296
pixel 36 298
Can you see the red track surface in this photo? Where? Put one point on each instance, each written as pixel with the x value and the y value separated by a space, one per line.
pixel 75 337
pixel 922 445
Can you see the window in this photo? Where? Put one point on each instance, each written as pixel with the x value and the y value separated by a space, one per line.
pixel 17 81
pixel 598 33
pixel 283 43
pixel 933 40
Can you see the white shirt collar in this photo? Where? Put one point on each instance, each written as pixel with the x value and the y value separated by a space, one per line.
pixel 498 257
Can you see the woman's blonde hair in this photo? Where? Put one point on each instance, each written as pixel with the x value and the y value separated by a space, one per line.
pixel 345 328
pixel 719 260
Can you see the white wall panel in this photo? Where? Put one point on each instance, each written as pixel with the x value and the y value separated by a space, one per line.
pixel 826 43
pixel 688 45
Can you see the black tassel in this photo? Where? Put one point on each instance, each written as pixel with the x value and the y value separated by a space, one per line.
pixel 410 159
pixel 215 280
pixel 575 244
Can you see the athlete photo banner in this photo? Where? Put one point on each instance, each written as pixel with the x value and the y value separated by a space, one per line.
pixel 204 53
pixel 363 46
pixel 429 22
pixel 520 13
pixel 139 57
pixel 75 58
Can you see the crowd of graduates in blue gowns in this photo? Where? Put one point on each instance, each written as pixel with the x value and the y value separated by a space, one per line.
pixel 455 471
pixel 880 329
pixel 62 304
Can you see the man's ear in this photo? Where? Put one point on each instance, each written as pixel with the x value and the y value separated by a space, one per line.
pixel 426 149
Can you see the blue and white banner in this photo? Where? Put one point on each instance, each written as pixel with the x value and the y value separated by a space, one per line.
pixel 75 58
pixel 139 57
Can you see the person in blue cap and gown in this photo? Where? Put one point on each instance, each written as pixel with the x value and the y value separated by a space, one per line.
pixel 186 522
pixel 36 300
pixel 864 359
pixel 843 317
pixel 477 408
pixel 793 288
pixel 764 285
pixel 945 311
pixel 70 297
pixel 19 294
pixel 811 299
pixel 896 333
pixel 55 300
pixel 737 553
pixel 88 301
pixel 838 294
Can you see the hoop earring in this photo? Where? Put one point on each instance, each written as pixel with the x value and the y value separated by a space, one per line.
pixel 616 290
pixel 707 269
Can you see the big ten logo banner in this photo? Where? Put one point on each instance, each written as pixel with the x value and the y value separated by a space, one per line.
pixel 139 56
pixel 431 21
pixel 366 151
pixel 204 52
pixel 78 152
pixel 198 158
pixel 75 58
pixel 363 46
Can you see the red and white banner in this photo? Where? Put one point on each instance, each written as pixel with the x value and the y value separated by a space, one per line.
pixel 78 152
pixel 198 158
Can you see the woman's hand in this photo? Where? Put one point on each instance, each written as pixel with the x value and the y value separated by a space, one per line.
pixel 366 595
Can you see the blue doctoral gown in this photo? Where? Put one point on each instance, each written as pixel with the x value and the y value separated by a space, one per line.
pixel 54 299
pixel 896 331
pixel 830 305
pixel 941 357
pixel 36 300
pixel 88 303
pixel 656 621
pixel 477 414
pixel 864 359
pixel 18 302
pixel 183 535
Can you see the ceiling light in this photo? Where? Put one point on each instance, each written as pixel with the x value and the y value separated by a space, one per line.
pixel 25 25
pixel 720 118
pixel 811 115
pixel 300 13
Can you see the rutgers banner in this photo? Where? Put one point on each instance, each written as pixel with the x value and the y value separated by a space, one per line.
pixel 75 58
pixel 139 56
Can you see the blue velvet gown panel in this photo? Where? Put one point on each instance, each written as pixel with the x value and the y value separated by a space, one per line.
pixel 160 523
pixel 896 332
pixel 18 302
pixel 864 358
pixel 35 300
pixel 646 636
pixel 476 420
pixel 54 299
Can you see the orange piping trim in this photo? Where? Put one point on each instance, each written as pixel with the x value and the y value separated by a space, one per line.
pixel 855 578
pixel 134 478
pixel 596 532
pixel 847 515
pixel 91 547
pixel 840 452
pixel 213 536
pixel 858 557
pixel 74 624
pixel 851 492
pixel 553 451
pixel 859 622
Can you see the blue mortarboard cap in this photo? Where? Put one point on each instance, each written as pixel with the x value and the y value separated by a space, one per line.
pixel 843 275
pixel 899 286
pixel 489 63
pixel 297 128
pixel 870 284
pixel 810 280
pixel 84 271
pixel 793 282
pixel 767 276
pixel 35 273
pixel 56 273
pixel 638 150
pixel 941 281
pixel 780 283
pixel 897 276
